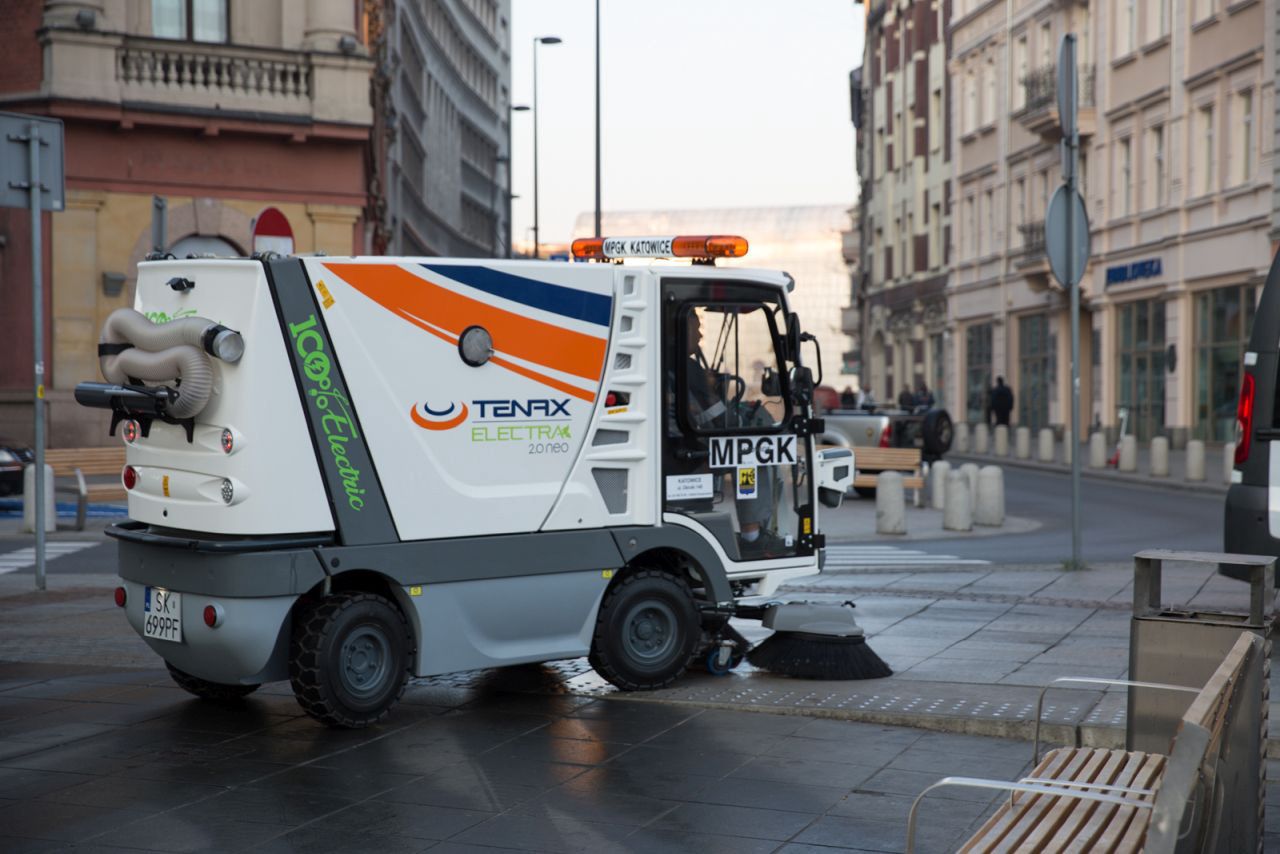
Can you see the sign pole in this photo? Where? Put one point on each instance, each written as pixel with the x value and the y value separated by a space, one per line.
pixel 1068 109
pixel 37 313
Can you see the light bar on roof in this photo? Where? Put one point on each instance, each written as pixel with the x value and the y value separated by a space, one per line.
pixel 682 246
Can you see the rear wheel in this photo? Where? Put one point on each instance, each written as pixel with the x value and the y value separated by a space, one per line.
pixel 350 659
pixel 646 633
pixel 206 690
pixel 937 432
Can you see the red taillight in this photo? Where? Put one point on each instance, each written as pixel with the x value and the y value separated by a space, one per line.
pixel 131 430
pixel 611 399
pixel 1244 419
pixel 130 477
pixel 884 437
pixel 121 597
pixel 210 616
pixel 228 441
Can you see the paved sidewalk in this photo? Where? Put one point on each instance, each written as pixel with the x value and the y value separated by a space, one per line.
pixel 1215 469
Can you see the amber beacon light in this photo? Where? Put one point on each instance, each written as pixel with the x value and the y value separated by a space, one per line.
pixel 698 247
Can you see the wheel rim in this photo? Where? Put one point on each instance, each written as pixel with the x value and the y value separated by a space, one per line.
pixel 365 661
pixel 649 633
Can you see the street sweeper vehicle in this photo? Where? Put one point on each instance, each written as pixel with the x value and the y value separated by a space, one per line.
pixel 349 471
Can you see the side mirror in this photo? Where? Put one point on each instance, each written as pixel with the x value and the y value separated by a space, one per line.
pixel 771 383
pixel 793 336
pixel 801 385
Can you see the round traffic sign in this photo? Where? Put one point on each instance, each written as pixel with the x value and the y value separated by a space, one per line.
pixel 1066 236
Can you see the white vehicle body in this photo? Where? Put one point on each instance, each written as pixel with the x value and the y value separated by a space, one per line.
pixel 495 501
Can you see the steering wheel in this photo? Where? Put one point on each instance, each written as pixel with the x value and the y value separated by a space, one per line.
pixel 740 386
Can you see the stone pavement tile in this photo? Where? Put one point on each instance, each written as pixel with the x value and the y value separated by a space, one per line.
pixel 223 772
pixel 538 747
pixel 827 729
pixel 563 833
pixel 751 822
pixel 317 840
pixel 1112 624
pixel 1039 674
pixel 1012 583
pixel 992 650
pixel 656 841
pixel 624 783
pixel 900 782
pixel 337 782
pixel 944 763
pixel 178 832
pixel 450 847
pixel 881 836
pixel 767 794
pixel 711 763
pixel 399 756
pixel 972 745
pixel 1043 637
pixel 264 806
pixel 64 822
pixel 977 671
pixel 855 751
pixel 621 730
pixel 881 807
pixel 31 783
pixel 125 792
pixel 473 786
pixel 949 581
pixel 382 818
pixel 18 845
pixel 593 804
pixel 780 769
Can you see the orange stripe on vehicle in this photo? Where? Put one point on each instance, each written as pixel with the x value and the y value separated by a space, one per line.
pixel 559 385
pixel 400 291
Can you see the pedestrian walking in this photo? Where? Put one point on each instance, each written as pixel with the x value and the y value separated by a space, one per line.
pixel 1001 402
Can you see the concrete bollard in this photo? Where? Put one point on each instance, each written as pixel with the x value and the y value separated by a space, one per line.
pixel 970 472
pixel 938 484
pixel 1159 457
pixel 981 439
pixel 1195 460
pixel 891 508
pixel 1002 440
pixel 958 513
pixel 1097 451
pixel 1022 443
pixel 29 499
pixel 990 507
pixel 1068 446
pixel 1129 453
pixel 1045 450
pixel 960 440
pixel 1228 461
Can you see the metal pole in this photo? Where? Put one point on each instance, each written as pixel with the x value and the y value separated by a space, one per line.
pixel 597 234
pixel 1074 154
pixel 37 314
pixel 537 246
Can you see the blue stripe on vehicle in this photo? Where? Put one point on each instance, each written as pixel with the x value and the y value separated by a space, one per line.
pixel 557 299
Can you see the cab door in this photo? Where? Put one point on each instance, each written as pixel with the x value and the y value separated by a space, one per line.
pixel 734 449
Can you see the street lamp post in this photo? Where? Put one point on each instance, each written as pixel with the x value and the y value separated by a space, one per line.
pixel 537 245
pixel 515 108
pixel 597 234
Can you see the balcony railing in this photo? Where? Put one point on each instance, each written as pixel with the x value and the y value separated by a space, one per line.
pixel 1040 87
pixel 230 76
pixel 1032 237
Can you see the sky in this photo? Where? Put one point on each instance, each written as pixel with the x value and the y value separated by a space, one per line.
pixel 704 103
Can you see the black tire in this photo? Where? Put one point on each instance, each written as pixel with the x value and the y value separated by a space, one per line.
pixel 646 633
pixel 206 690
pixel 865 491
pixel 350 659
pixel 937 432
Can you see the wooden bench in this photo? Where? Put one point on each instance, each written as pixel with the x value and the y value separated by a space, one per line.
pixel 79 462
pixel 1099 800
pixel 869 462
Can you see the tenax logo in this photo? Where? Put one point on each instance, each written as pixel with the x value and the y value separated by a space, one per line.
pixel 442 419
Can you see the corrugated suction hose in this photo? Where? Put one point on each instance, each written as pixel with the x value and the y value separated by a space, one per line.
pixel 162 353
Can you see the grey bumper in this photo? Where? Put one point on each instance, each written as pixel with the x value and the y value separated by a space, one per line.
pixel 1246 527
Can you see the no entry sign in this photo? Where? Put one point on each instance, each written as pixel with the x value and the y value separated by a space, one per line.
pixel 271 232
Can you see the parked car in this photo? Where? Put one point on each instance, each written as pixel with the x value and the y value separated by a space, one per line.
pixel 927 428
pixel 13 456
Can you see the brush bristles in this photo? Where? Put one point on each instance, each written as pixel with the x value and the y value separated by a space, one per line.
pixel 818 657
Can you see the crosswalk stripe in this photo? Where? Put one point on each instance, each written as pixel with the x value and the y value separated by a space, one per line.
pixel 859 557
pixel 23 558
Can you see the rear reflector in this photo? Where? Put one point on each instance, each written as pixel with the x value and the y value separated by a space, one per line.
pixel 1244 419
pixel 121 597
pixel 130 477
pixel 884 437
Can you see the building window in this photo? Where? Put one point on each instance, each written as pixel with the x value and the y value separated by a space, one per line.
pixel 977 371
pixel 936 127
pixel 1140 370
pixel 1157 19
pixel 1046 44
pixel 1020 195
pixel 989 107
pixel 1244 121
pixel 1201 9
pixel 1205 115
pixel 935 242
pixel 989 233
pixel 1156 181
pixel 1126 27
pixel 937 366
pixel 1124 205
pixel 1036 370
pixel 1224 319
pixel 1019 92
pixel 192 20
pixel 970 101
pixel 970 226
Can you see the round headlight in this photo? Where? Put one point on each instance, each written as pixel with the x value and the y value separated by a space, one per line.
pixel 228 440
pixel 475 345
pixel 131 431
pixel 228 491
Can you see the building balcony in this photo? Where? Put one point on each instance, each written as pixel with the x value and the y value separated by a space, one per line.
pixel 1039 112
pixel 140 72
pixel 850 246
pixel 851 320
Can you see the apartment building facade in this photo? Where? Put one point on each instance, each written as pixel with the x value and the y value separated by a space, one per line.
pixel 442 172
pixel 227 108
pixel 1177 127
pixel 901 109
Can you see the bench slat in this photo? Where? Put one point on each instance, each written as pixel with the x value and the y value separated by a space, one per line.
pixel 989 836
pixel 1068 814
pixel 1027 823
pixel 886 457
pixel 1142 772
pixel 868 481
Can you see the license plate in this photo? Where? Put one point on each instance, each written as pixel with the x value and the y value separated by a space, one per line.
pixel 162 615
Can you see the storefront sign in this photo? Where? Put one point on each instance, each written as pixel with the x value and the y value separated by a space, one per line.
pixel 1147 269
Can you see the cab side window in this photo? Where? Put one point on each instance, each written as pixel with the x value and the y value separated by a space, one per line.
pixel 731 374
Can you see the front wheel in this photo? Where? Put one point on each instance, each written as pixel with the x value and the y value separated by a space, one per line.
pixel 350 659
pixel 204 689
pixel 646 633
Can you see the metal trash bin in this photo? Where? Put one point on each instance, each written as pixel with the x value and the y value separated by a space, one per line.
pixel 1176 645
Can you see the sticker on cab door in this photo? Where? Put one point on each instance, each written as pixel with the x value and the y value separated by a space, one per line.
pixel 728 452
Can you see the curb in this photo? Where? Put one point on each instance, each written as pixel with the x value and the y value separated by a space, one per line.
pixel 1202 487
